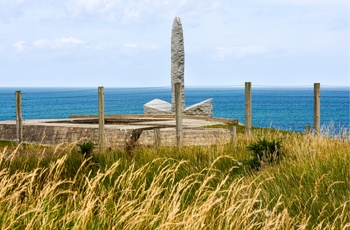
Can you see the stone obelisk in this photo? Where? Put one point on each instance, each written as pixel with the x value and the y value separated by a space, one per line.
pixel 177 60
pixel 158 106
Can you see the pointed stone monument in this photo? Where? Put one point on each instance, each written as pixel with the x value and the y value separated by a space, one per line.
pixel 158 106
pixel 177 59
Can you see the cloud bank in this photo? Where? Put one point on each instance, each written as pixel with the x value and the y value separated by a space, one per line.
pixel 308 39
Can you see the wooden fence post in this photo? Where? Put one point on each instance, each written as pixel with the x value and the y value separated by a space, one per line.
pixel 101 119
pixel 178 114
pixel 19 127
pixel 317 108
pixel 156 137
pixel 73 137
pixel 233 132
pixel 248 108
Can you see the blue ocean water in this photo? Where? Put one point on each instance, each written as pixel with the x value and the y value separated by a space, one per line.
pixel 280 108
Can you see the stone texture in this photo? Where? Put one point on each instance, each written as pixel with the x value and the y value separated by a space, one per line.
pixel 177 59
pixel 52 132
pixel 198 137
pixel 157 106
pixel 203 108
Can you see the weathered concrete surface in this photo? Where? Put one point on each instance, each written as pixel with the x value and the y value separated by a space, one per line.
pixel 204 108
pixel 191 137
pixel 157 106
pixel 118 130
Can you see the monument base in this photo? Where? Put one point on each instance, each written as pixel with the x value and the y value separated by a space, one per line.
pixel 157 106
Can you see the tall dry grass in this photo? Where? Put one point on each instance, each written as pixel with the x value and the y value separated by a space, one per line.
pixel 191 188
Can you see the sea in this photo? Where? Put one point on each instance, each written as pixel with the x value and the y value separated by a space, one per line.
pixel 284 108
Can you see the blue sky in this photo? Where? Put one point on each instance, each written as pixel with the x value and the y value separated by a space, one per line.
pixel 115 43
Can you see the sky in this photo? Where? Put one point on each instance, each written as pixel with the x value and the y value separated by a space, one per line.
pixel 116 43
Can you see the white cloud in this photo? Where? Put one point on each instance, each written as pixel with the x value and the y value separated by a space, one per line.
pixel 11 2
pixel 58 43
pixel 71 40
pixel 132 49
pixel 64 42
pixel 79 6
pixel 129 11
pixel 129 49
pixel 311 2
pixel 239 52
pixel 138 31
pixel 129 46
pixel 20 45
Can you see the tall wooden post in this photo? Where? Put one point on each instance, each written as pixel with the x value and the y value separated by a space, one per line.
pixel 19 127
pixel 178 114
pixel 248 108
pixel 101 118
pixel 317 108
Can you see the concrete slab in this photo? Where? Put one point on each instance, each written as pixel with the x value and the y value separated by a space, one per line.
pixel 118 129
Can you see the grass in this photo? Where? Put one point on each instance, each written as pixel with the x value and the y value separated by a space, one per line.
pixel 240 129
pixel 192 188
pixel 6 143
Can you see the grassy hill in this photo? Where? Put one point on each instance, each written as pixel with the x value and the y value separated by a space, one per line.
pixel 216 187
